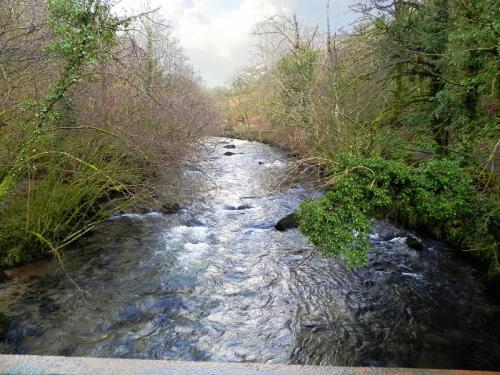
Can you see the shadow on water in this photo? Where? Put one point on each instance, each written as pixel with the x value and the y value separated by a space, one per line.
pixel 216 282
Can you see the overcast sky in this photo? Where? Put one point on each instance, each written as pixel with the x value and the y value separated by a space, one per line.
pixel 216 34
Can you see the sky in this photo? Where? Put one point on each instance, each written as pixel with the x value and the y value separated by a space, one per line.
pixel 216 35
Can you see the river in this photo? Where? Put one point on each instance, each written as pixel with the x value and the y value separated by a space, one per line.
pixel 216 282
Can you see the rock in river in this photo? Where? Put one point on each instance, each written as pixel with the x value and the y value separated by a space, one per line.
pixel 4 325
pixel 3 276
pixel 241 207
pixel 414 244
pixel 170 208
pixel 288 222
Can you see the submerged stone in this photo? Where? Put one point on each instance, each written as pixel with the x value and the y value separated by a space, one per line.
pixel 130 313
pixel 244 207
pixel 197 223
pixel 262 225
pixel 47 306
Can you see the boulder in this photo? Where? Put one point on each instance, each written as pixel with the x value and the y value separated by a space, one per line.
pixel 414 243
pixel 3 276
pixel 288 222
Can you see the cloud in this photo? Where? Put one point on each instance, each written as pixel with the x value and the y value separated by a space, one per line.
pixel 216 34
pixel 217 37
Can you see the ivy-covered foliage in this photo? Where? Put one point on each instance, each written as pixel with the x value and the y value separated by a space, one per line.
pixel 83 30
pixel 436 197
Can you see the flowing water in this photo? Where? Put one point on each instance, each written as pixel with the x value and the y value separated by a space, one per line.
pixel 216 282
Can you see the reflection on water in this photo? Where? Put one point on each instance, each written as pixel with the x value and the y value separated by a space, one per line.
pixel 216 282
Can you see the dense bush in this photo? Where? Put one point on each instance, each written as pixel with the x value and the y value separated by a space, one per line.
pixel 436 197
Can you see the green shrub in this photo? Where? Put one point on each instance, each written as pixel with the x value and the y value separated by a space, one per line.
pixel 436 198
